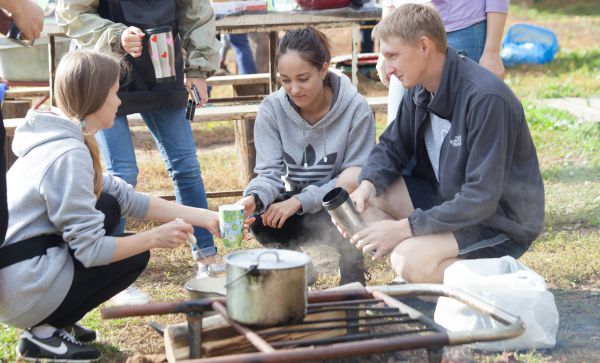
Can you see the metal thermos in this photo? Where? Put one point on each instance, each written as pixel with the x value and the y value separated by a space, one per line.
pixel 339 205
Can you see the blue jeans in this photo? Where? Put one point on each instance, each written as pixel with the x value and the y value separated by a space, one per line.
pixel 469 41
pixel 173 136
pixel 243 53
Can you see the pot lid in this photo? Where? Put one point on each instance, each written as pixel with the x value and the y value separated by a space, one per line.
pixel 267 259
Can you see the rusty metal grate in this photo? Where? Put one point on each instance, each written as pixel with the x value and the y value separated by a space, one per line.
pixel 362 309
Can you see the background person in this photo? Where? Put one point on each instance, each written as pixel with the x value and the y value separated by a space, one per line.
pixel 117 27
pixel 313 134
pixel 456 175
pixel 63 210
pixel 473 28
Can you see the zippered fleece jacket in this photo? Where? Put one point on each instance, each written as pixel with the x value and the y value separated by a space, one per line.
pixel 488 168
pixel 308 158
pixel 51 191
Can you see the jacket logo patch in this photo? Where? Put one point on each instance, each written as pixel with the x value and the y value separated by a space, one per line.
pixel 456 141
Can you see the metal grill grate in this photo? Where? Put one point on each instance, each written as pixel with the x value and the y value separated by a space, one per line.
pixel 362 310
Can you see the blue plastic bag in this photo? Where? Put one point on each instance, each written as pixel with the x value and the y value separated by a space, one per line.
pixel 528 44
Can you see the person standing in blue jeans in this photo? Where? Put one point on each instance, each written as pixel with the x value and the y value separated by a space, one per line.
pixel 243 53
pixel 118 27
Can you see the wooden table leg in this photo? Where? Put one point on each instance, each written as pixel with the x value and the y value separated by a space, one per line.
pixel 12 109
pixel 51 67
pixel 272 66
pixel 355 38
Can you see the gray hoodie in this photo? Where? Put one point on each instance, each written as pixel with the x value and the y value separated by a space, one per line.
pixel 50 191
pixel 309 158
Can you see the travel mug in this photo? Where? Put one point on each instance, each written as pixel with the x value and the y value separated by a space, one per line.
pixel 162 53
pixel 339 205
pixel 14 34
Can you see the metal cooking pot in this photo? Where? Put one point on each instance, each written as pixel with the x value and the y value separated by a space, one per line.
pixel 266 287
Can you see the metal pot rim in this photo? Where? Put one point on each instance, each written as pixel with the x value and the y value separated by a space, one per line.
pixel 267 259
pixel 207 285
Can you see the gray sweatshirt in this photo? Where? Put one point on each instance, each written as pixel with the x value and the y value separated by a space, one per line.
pixel 309 158
pixel 50 191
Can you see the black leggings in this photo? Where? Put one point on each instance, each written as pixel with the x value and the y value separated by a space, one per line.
pixel 309 228
pixel 95 285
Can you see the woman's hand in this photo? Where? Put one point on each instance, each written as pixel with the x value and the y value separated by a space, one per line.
pixel 201 87
pixel 277 213
pixel 131 41
pixel 492 62
pixel 249 205
pixel 211 222
pixel 171 235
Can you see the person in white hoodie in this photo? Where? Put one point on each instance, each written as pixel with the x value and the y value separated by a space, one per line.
pixel 313 134
pixel 59 261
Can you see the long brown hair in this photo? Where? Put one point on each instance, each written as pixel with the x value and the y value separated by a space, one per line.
pixel 310 43
pixel 83 80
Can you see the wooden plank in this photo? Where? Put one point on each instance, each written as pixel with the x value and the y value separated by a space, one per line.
pixel 217 194
pixel 215 113
pixel 238 79
pixel 218 338
pixel 26 92
pixel 231 80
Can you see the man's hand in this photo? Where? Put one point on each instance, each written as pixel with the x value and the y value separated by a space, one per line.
pixel 131 41
pixel 361 196
pixel 382 237
pixel 201 86
pixel 277 213
pixel 28 17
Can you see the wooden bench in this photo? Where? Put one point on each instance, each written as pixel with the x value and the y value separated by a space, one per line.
pixel 243 117
pixel 230 80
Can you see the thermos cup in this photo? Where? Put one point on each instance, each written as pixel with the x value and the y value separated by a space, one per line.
pixel 339 205
pixel 162 53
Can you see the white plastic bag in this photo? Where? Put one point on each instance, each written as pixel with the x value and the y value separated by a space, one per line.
pixel 509 285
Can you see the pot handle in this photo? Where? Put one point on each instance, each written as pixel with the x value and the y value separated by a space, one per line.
pixel 264 253
pixel 253 269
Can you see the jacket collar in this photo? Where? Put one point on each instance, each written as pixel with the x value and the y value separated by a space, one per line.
pixel 443 103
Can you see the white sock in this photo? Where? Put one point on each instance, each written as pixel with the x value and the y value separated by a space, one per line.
pixel 43 331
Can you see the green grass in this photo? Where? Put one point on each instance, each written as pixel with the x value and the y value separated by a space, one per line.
pixel 555 9
pixel 572 74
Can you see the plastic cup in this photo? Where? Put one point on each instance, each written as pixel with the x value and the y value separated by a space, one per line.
pixel 231 221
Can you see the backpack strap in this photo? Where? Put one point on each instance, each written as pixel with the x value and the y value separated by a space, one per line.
pixel 26 249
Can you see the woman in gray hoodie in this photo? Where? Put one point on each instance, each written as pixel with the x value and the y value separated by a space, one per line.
pixel 59 260
pixel 311 135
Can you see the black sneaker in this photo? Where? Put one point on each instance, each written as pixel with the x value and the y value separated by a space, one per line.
pixel 60 347
pixel 81 333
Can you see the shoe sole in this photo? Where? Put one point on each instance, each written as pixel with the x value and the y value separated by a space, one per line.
pixel 54 360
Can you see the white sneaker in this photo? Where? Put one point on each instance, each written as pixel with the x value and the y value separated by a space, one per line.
pixel 130 296
pixel 212 270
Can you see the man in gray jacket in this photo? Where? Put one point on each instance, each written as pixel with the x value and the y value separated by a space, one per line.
pixel 456 175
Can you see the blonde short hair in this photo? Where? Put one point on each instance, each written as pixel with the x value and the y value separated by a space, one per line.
pixel 410 22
